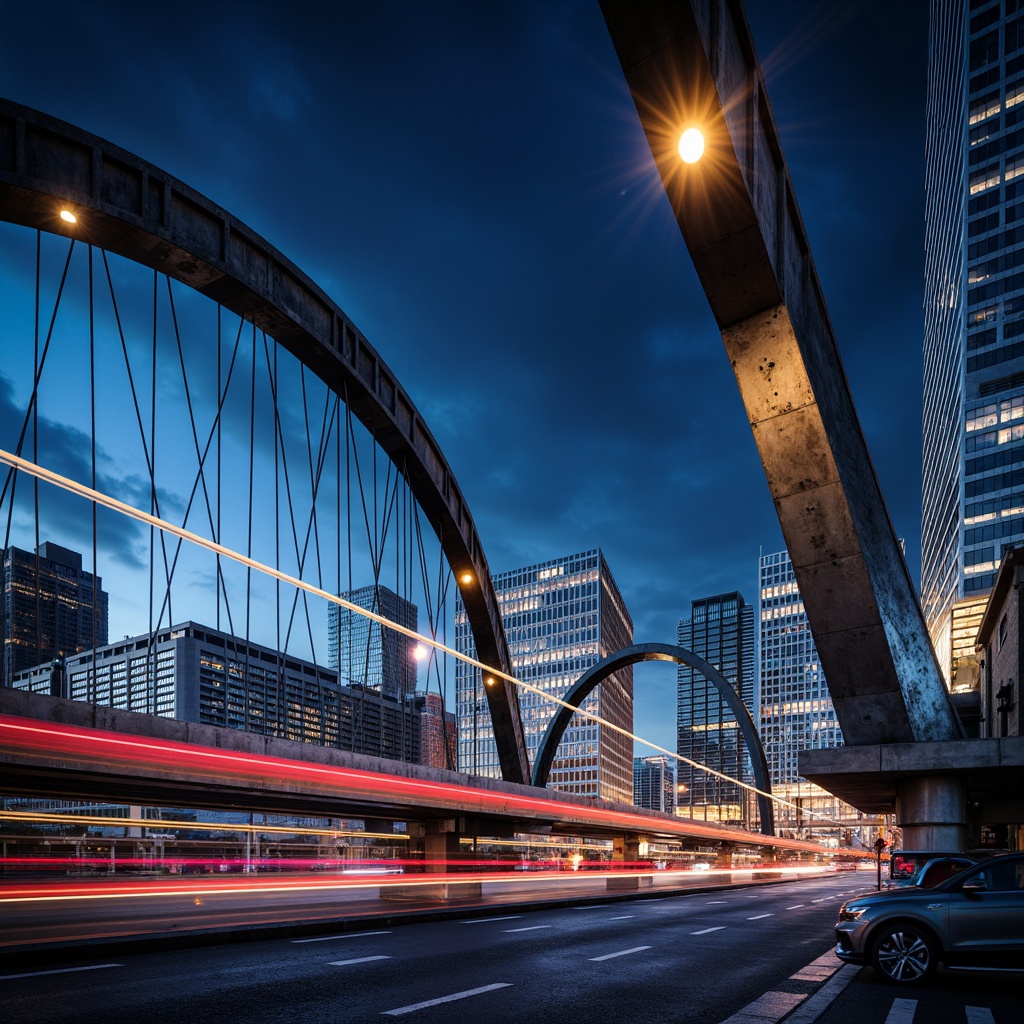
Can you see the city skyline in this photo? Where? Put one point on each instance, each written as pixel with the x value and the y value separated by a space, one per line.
pixel 508 254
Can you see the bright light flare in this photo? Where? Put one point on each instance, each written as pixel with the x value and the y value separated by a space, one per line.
pixel 419 652
pixel 68 217
pixel 691 145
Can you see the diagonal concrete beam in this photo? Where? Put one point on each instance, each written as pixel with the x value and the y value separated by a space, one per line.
pixel 694 64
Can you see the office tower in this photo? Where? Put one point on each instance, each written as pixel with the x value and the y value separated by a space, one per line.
pixel 561 617
pixel 197 674
pixel 364 652
pixel 654 783
pixel 795 710
pixel 721 631
pixel 973 413
pixel 51 606
pixel 438 732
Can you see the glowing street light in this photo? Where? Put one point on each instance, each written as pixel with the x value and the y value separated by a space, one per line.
pixel 466 578
pixel 691 145
pixel 68 217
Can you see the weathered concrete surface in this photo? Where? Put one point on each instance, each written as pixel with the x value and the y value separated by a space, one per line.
pixel 870 777
pixel 130 207
pixel 695 64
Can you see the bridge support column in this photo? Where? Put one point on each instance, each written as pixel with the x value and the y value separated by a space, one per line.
pixel 626 852
pixel 932 811
pixel 438 843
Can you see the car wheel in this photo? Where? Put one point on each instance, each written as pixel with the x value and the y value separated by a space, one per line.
pixel 903 954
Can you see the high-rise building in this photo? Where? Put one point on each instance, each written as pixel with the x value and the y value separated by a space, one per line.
pixel 795 710
pixel 439 732
pixel 561 617
pixel 197 674
pixel 721 631
pixel 51 607
pixel 973 413
pixel 654 783
pixel 364 652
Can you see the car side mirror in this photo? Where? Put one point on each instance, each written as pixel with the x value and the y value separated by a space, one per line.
pixel 973 887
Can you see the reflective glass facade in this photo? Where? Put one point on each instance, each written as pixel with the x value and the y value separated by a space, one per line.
pixel 560 618
pixel 364 652
pixel 654 783
pixel 721 631
pixel 973 419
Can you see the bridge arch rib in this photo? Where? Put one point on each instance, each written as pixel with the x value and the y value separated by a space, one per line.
pixel 133 209
pixel 590 679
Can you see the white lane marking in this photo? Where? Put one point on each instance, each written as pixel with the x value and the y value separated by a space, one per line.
pixel 902 1011
pixel 531 928
pixel 710 902
pixel 822 900
pixel 621 952
pixel 61 970
pixel 347 935
pixel 622 917
pixel 446 999
pixel 796 906
pixel 704 931
pixel 596 906
pixel 488 920
pixel 979 1015
pixel 757 917
pixel 358 960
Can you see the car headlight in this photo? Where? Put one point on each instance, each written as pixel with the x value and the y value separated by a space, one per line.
pixel 851 913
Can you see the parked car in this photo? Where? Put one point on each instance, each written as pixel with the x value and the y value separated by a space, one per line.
pixel 938 869
pixel 974 919
pixel 904 865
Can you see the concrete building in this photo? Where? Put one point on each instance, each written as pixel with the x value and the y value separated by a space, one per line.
pixel 561 617
pixel 193 673
pixel 794 709
pixel 721 631
pixel 1002 653
pixel 50 607
pixel 654 783
pixel 973 413
pixel 364 652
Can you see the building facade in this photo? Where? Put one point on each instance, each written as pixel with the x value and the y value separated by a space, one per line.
pixel 973 398
pixel 197 674
pixel 364 652
pixel 50 607
pixel 654 783
pixel 795 711
pixel 439 732
pixel 561 617
pixel 720 630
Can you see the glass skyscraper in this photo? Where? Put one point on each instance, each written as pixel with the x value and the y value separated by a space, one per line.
pixel 654 783
pixel 973 414
pixel 795 710
pixel 364 652
pixel 561 617
pixel 721 631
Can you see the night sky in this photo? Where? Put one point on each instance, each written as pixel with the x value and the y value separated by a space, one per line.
pixel 470 183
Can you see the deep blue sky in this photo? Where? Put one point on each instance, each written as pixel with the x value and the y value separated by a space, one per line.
pixel 470 183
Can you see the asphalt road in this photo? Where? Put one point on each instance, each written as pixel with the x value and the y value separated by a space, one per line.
pixel 755 955
pixel 699 958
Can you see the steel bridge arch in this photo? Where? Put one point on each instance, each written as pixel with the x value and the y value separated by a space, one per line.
pixel 132 208
pixel 590 679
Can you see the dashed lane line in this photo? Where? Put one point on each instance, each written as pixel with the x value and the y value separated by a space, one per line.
pixel 488 920
pixel 796 906
pixel 357 960
pixel 622 917
pixel 347 935
pixel 621 952
pixel 758 917
pixel 531 928
pixel 704 931
pixel 902 1011
pixel 446 999
pixel 979 1015
pixel 61 970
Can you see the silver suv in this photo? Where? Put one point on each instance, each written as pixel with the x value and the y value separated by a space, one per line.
pixel 974 919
